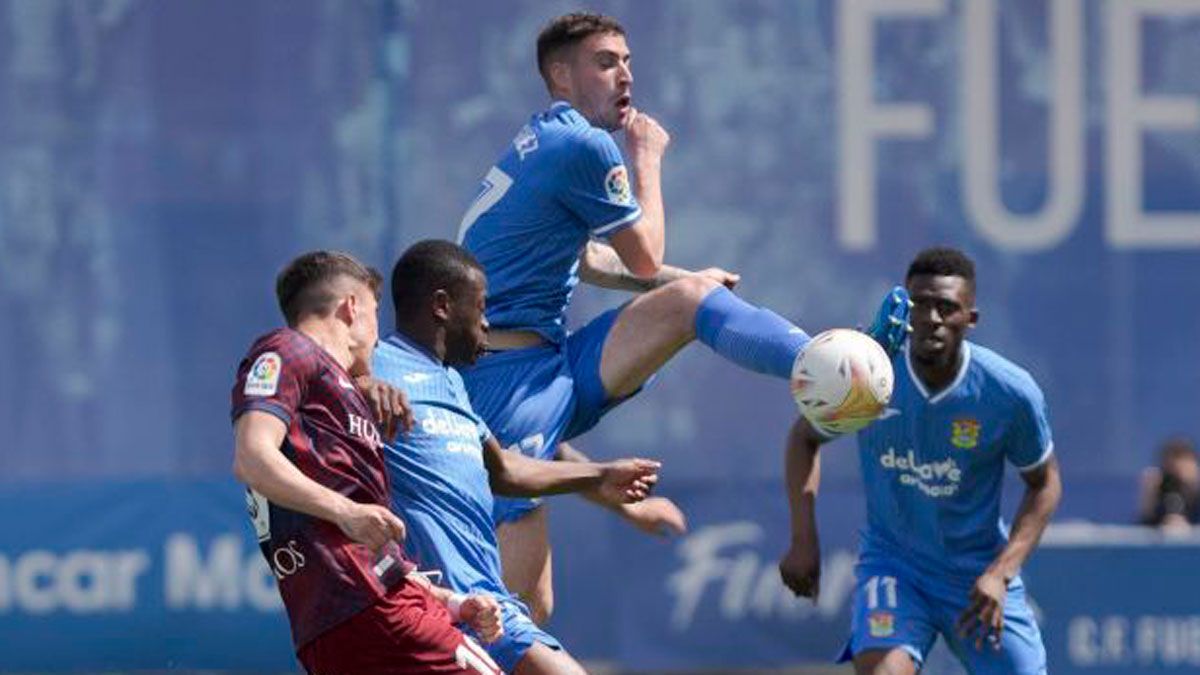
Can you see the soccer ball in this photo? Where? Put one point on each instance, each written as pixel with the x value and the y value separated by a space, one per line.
pixel 842 381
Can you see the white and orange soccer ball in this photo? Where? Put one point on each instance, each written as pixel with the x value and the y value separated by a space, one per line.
pixel 842 381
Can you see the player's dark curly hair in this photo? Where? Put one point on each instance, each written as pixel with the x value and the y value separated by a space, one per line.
pixel 567 31
pixel 942 261
pixel 309 284
pixel 426 267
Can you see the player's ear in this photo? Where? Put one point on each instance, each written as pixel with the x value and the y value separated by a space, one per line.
pixel 974 317
pixel 441 305
pixel 347 309
pixel 559 78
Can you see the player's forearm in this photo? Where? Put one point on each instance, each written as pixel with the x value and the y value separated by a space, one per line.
pixel 260 465
pixel 602 267
pixel 1033 515
pixel 802 469
pixel 652 224
pixel 520 476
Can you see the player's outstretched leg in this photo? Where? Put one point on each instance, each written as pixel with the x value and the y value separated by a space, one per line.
pixel 656 325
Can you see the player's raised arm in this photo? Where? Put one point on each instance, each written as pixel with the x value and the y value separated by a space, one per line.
pixel 801 565
pixel 641 246
pixel 512 474
pixel 262 467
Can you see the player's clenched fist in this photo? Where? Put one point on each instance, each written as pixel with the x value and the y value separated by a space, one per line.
pixel 628 480
pixel 371 525
pixel 801 570
pixel 481 613
pixel 644 137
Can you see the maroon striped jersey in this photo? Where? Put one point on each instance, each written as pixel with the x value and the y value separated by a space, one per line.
pixel 324 577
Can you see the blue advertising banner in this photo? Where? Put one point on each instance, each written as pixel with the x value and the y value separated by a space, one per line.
pixel 144 574
pixel 158 575
pixel 1131 605
pixel 716 597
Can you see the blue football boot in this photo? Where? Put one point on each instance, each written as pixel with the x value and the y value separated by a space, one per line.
pixel 891 325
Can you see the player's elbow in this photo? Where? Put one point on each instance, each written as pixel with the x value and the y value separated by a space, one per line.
pixel 646 270
pixel 240 472
pixel 503 481
pixel 244 467
pixel 641 253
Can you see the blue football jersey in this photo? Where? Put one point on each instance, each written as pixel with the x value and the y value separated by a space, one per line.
pixel 932 466
pixel 439 482
pixel 560 182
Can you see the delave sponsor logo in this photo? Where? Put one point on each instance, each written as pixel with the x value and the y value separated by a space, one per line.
pixel 936 479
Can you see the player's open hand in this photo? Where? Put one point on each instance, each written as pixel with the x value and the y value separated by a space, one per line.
pixel 627 480
pixel 725 278
pixel 371 525
pixel 644 137
pixel 800 569
pixel 481 613
pixel 390 405
pixel 656 516
pixel 984 616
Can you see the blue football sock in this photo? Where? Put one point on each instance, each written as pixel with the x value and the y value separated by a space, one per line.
pixel 752 337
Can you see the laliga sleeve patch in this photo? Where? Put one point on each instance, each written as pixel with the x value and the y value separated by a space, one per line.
pixel 263 379
pixel 616 185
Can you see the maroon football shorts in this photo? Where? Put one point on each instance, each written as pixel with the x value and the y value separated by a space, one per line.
pixel 407 632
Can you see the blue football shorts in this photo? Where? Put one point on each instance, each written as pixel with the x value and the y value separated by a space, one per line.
pixel 895 608
pixel 533 398
pixel 520 633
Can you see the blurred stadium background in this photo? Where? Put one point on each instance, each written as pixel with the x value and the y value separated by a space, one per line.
pixel 160 160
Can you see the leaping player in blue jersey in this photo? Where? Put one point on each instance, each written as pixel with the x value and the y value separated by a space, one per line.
pixel 935 556
pixel 444 469
pixel 559 206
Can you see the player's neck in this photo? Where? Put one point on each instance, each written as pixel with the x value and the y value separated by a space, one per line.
pixel 328 337
pixel 427 336
pixel 936 375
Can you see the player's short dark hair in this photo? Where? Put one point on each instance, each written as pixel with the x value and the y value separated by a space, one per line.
pixel 942 261
pixel 568 31
pixel 308 285
pixel 1176 447
pixel 426 267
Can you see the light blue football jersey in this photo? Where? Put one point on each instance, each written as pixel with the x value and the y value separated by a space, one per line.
pixel 932 466
pixel 560 182
pixel 438 480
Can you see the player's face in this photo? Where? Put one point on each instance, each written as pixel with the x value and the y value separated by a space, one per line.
pixel 467 327
pixel 943 310
pixel 364 330
pixel 601 81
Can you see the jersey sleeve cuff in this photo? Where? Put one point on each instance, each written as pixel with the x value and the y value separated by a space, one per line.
pixel 617 225
pixel 1040 460
pixel 266 406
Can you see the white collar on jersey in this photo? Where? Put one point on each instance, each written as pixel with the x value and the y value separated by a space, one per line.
pixel 962 374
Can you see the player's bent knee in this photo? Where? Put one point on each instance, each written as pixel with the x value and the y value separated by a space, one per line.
pixel 884 662
pixel 691 290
